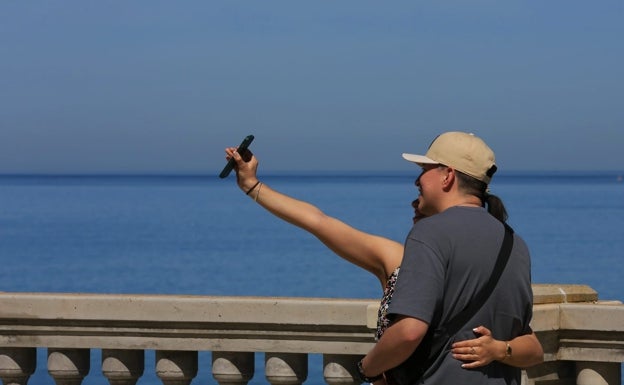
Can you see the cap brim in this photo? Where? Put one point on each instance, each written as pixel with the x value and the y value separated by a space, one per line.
pixel 419 159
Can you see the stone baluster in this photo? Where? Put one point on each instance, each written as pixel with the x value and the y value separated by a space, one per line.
pixel 233 368
pixel 123 367
pixel 68 366
pixel 341 369
pixel 176 367
pixel 598 373
pixel 17 365
pixel 286 368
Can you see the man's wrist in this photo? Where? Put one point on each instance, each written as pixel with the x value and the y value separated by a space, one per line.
pixel 364 377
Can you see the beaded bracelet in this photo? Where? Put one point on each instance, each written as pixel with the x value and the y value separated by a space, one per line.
pixel 258 192
pixel 365 378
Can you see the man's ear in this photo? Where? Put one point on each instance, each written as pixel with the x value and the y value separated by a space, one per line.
pixel 449 177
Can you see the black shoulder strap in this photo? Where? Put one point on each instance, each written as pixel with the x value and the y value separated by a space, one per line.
pixel 460 319
pixel 457 322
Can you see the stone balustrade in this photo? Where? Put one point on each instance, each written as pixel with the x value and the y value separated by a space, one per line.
pixel 583 338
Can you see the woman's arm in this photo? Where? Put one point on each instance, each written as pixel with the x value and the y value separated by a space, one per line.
pixel 526 350
pixel 376 254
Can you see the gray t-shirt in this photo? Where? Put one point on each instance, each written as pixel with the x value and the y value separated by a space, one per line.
pixel 448 258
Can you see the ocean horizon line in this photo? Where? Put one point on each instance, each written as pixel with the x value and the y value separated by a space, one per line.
pixel 302 173
pixel 568 176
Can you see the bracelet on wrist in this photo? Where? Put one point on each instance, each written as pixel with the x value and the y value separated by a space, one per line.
pixel 258 192
pixel 363 376
pixel 507 351
pixel 252 188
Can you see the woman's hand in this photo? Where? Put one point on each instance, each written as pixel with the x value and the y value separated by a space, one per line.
pixel 246 167
pixel 479 351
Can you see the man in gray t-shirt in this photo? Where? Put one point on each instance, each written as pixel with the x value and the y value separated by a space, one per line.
pixel 449 257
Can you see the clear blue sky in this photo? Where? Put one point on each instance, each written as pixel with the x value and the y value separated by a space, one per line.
pixel 164 86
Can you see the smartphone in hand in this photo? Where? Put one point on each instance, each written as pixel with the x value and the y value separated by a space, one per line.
pixel 241 148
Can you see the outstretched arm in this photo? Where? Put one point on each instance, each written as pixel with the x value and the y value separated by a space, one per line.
pixel 526 350
pixel 376 254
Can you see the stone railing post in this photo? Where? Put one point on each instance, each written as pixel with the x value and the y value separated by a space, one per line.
pixel 176 367
pixel 17 365
pixel 123 367
pixel 233 368
pixel 68 366
pixel 286 368
pixel 598 373
pixel 340 369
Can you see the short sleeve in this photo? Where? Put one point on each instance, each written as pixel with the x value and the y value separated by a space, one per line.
pixel 419 288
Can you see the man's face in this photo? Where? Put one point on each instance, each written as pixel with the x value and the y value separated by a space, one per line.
pixel 428 184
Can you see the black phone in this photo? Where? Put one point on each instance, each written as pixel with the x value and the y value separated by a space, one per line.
pixel 241 148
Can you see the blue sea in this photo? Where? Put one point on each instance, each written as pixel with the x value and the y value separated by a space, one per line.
pixel 202 235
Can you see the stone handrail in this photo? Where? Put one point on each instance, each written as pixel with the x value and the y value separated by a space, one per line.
pixel 583 338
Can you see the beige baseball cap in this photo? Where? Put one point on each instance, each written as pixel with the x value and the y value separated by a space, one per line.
pixel 462 151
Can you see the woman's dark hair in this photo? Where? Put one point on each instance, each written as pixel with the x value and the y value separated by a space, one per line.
pixel 472 186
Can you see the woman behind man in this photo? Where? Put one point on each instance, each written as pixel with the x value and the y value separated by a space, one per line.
pixel 380 256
